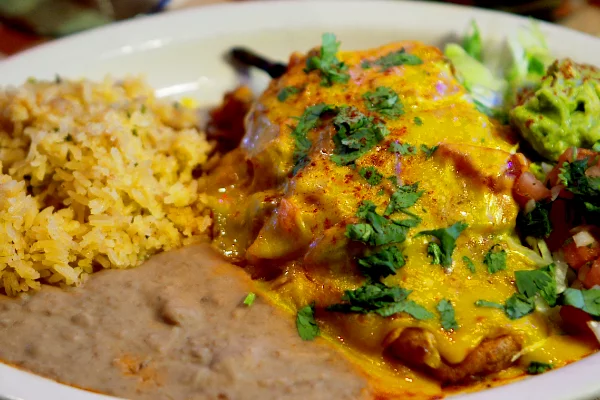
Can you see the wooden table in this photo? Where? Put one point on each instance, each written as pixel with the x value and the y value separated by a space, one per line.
pixel 582 16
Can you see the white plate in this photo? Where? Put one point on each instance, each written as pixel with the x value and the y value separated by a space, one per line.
pixel 182 53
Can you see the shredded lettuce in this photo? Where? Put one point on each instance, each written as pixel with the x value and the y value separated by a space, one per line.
pixel 494 93
pixel 486 90
pixel 472 42
pixel 530 60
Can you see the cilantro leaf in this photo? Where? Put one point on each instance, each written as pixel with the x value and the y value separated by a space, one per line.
pixel 542 281
pixel 380 299
pixel 418 121
pixel 434 250
pixel 447 316
pixel 447 238
pixel 287 92
pixel 428 150
pixel 498 114
pixel 402 148
pixel 371 175
pixel 585 188
pixel 306 324
pixel 586 300
pixel 413 309
pixel 536 368
pixel 488 304
pixel 393 59
pixel 518 306
pixel 382 263
pixel 378 230
pixel 356 135
pixel 309 120
pixel 495 259
pixel 249 300
pixel 469 263
pixel 384 101
pixel 332 70
pixel 536 223
pixel 406 196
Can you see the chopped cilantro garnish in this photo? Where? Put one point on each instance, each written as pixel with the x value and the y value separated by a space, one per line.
pixel 134 132
pixel 536 223
pixel 384 101
pixel 435 252
pixel 381 192
pixel 406 196
pixel 380 299
pixel 518 306
pixel 536 368
pixel 382 263
pixel 542 281
pixel 393 59
pixel 585 188
pixel 306 324
pixel 492 113
pixel 287 92
pixel 447 238
pixel 356 135
pixel 377 230
pixel 447 316
pixel 489 304
pixel 418 121
pixel 250 299
pixel 403 148
pixel 495 259
pixel 332 70
pixel 308 120
pixel 143 109
pixel 586 300
pixel 428 150
pixel 68 138
pixel 371 175
pixel 469 263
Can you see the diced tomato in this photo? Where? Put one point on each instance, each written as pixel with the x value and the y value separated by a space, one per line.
pixel 576 257
pixel 592 278
pixel 561 224
pixel 575 320
pixel 527 187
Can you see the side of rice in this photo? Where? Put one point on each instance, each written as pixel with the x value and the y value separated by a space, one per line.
pixel 94 175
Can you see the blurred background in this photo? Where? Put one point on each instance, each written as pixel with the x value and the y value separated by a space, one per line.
pixel 26 23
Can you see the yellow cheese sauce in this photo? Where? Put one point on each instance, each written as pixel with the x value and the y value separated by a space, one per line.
pixel 292 228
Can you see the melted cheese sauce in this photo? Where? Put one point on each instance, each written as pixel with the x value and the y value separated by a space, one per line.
pixel 295 226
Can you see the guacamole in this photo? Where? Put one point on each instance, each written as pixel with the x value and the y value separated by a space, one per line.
pixel 563 112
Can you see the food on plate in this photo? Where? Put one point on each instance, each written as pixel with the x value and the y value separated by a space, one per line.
pixel 149 333
pixel 564 112
pixel 344 208
pixel 378 197
pixel 396 230
pixel 95 175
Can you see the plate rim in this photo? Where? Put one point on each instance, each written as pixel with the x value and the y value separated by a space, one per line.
pixel 580 371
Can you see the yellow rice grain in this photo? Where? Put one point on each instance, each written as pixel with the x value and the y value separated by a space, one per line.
pixel 94 175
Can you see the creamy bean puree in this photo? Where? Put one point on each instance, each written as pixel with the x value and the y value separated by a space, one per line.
pixel 174 328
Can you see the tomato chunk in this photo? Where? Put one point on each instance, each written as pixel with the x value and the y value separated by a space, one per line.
pixel 576 257
pixel 592 278
pixel 575 320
